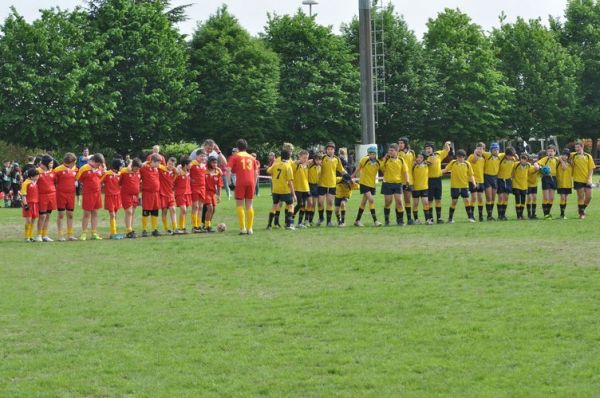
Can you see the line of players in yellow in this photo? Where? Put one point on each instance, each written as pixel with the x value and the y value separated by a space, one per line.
pixel 321 185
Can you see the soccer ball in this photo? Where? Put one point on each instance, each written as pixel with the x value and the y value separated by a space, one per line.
pixel 545 170
pixel 221 227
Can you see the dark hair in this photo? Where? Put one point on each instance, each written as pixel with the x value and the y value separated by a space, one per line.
pixel 184 161
pixel 31 172
pixel 317 156
pixel 241 144
pixel 173 160
pixel 430 145
pixel 116 164
pixel 37 160
pixel 551 146
pixel 69 157
pixel 136 162
pixel 98 158
pixel 200 152
pixel 524 156
pixel 155 158
pixel 461 152
pixel 330 144
pixel 46 160
pixel 566 152
pixel 404 140
pixel 510 151
pixel 285 155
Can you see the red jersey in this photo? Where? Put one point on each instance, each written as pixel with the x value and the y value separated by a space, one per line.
pixel 197 175
pixel 65 178
pixel 150 178
pixel 90 178
pixel 46 181
pixel 162 159
pixel 214 181
pixel 182 184
pixel 130 182
pixel 243 165
pixel 167 181
pixel 29 189
pixel 111 182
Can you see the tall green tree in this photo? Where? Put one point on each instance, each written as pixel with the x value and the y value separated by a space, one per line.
pixel 239 81
pixel 543 76
pixel 472 101
pixel 150 78
pixel 580 32
pixel 51 80
pixel 320 84
pixel 408 80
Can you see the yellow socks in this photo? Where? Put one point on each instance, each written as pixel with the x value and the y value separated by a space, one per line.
pixel 145 223
pixel 165 222
pixel 113 226
pixel 181 222
pixel 241 214
pixel 154 221
pixel 250 218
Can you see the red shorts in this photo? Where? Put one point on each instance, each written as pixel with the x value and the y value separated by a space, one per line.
pixel 150 201
pixel 65 200
pixel 166 202
pixel 199 196
pixel 183 200
pixel 47 202
pixel 129 201
pixel 112 203
pixel 244 191
pixel 91 201
pixel 211 198
pixel 33 212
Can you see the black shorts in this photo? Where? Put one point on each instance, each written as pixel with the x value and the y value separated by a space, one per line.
pixel 326 191
pixel 390 188
pixel 78 187
pixel 423 193
pixel 477 188
pixel 522 192
pixel 456 193
pixel 338 201
pixel 581 185
pixel 435 189
pixel 564 191
pixel 490 181
pixel 532 190
pixel 302 197
pixel 504 186
pixel 364 189
pixel 314 189
pixel 548 182
pixel 283 197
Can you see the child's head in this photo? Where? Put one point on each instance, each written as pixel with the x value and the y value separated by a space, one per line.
pixel 69 159
pixel 566 154
pixel 551 151
pixel 303 156
pixel 479 148
pixel 241 145
pixel 372 152
pixel 421 157
pixel 46 162
pixel 155 160
pixel 579 146
pixel 495 148
pixel 201 157
pixel 393 150
pixel 185 163
pixel 318 159
pixel 330 149
pixel 288 147
pixel 136 164
pixel 524 158
pixel 403 143
pixel 461 154
pixel 213 163
pixel 347 179
pixel 429 148
pixel 171 163
pixel 97 160
pixel 116 164
pixel 510 151
pixel 285 155
pixel 33 174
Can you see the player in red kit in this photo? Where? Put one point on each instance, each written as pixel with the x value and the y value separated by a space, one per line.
pixel 130 191
pixel 90 175
pixel 65 194
pixel 47 196
pixel 214 182
pixel 167 195
pixel 112 194
pixel 150 194
pixel 243 165
pixel 30 195
pixel 198 184
pixel 183 192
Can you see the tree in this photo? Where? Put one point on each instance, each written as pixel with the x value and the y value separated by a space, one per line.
pixel 472 101
pixel 51 81
pixel 150 78
pixel 408 80
pixel 543 76
pixel 320 84
pixel 581 34
pixel 239 80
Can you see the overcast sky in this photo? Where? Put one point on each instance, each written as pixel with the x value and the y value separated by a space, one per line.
pixel 252 13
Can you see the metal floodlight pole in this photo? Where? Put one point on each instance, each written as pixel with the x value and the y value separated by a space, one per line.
pixel 367 103
pixel 310 4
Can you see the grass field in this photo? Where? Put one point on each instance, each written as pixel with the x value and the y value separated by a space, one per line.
pixel 492 309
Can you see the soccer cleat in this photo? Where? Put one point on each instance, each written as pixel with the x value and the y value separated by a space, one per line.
pixel 62 239
pixel 83 237
pixel 320 222
pixel 409 222
pixel 471 220
pixel 358 224
pixel 450 221
pixel 491 218
pixel 387 223
pixel 196 230
pixel 342 224
pixel 300 226
pixel 269 228
pixel 250 232
pixel 38 238
pixel 582 216
pixel 429 222
pixel 95 237
pixel 131 235
pixel 277 226
pixel 377 223
pixel 290 228
pixel 329 224
pixel 440 221
pixel 28 240
pixel 533 217
pixel 210 230
pixel 400 224
pixel 155 233
pixel 548 217
pixel 170 232
pixel 72 239
pixel 144 234
pixel 47 239
pixel 563 218
pixel 417 222
pixel 243 232
pixel 480 218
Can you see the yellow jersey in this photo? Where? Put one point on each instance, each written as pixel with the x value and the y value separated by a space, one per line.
pixel 435 163
pixel 552 162
pixel 409 158
pixel 343 190
pixel 301 177
pixel 582 166
pixel 282 174
pixel 564 176
pixel 478 166
pixel 369 171
pixel 314 173
pixel 329 167
pixel 533 178
pixel 506 167
pixel 460 174
pixel 420 174
pixel 394 170
pixel 492 163
pixel 520 176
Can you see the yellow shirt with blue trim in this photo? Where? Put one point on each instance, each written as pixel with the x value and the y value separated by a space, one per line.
pixel 369 169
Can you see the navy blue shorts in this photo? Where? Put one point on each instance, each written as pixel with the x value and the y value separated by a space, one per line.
pixel 390 188
pixel 424 193
pixel 302 197
pixel 477 188
pixel 338 201
pixel 283 197
pixel 504 186
pixel 564 191
pixel 326 191
pixel 549 182
pixel 581 185
pixel 456 193
pixel 532 190
pixel 314 189
pixel 364 189
pixel 490 181
pixel 435 189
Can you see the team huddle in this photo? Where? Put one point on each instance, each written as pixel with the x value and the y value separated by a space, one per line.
pixel 412 180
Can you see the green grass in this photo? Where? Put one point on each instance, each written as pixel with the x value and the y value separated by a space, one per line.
pixel 492 309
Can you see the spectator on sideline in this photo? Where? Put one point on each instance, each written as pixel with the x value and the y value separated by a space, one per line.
pixel 156 151
pixel 258 176
pixel 210 149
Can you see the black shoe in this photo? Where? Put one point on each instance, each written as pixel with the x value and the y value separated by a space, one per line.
pixel 440 221
pixel 196 230
pixel 155 233
pixel 210 230
pixel 410 222
pixel 170 233
pixel 144 234
pixel 480 218
pixel 131 235
pixel 491 218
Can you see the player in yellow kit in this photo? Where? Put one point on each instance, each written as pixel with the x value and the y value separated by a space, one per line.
pixel 490 177
pixel 408 155
pixel 343 192
pixel 283 189
pixel 314 173
pixel 478 163
pixel 532 190
pixel 548 167
pixel 368 170
pixel 461 178
pixel 301 187
pixel 583 170
pixel 331 165
pixel 395 174
pixel 564 180
pixel 520 182
pixel 505 169
pixel 420 173
pixel 434 160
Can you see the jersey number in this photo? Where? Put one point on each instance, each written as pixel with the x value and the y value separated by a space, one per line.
pixel 247 164
pixel 278 173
